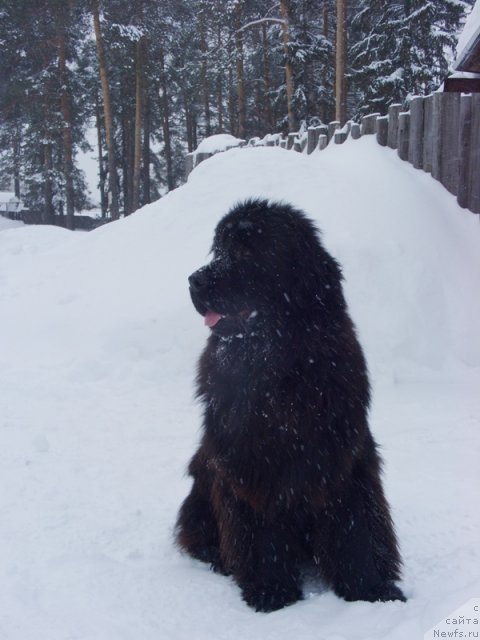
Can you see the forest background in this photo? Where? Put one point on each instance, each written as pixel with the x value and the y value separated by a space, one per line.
pixel 154 78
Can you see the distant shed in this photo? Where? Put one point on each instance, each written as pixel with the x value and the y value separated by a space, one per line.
pixel 466 77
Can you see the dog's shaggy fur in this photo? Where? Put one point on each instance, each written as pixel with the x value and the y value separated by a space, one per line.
pixel 287 475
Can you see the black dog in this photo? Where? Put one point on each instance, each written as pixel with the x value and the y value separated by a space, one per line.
pixel 287 474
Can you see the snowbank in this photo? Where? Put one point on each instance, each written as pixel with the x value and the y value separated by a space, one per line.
pixel 98 341
pixel 218 142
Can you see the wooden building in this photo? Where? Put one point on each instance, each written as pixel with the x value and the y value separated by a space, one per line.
pixel 466 78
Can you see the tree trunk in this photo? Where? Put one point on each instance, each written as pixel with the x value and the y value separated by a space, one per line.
pixel 66 108
pixel 127 162
pixel 107 110
pixel 204 77
pixel 146 187
pixel 340 65
pixel 231 97
pixel 139 108
pixel 16 158
pixel 219 87
pixel 241 96
pixel 48 211
pixel 266 81
pixel 325 16
pixel 188 123
pixel 292 124
pixel 166 121
pixel 102 173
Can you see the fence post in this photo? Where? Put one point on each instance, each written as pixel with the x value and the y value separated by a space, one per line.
pixel 312 139
pixel 474 162
pixel 428 133
pixel 200 157
pixel 415 147
pixel 332 127
pixel 188 164
pixel 355 131
pixel 393 113
pixel 322 142
pixel 464 149
pixel 382 130
pixel 340 136
pixel 403 134
pixel 322 131
pixel 446 111
pixel 368 124
pixel 290 140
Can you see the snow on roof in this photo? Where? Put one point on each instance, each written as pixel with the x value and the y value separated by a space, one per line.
pixel 9 201
pixel 471 32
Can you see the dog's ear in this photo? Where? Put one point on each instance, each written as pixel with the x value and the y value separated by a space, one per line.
pixel 317 278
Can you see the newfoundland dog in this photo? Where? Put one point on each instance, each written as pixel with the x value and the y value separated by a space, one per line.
pixel 286 479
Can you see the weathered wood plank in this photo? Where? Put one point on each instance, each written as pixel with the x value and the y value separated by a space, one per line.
pixel 368 125
pixel 355 131
pixel 446 116
pixel 428 133
pixel 415 147
pixel 403 134
pixel 382 130
pixel 393 113
pixel 200 157
pixel 189 159
pixel 332 127
pixel 322 142
pixel 322 131
pixel 464 150
pixel 474 160
pixel 312 139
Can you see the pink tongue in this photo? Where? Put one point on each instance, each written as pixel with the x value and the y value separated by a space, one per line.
pixel 211 318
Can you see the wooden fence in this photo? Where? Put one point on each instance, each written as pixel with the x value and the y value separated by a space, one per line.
pixel 83 223
pixel 439 133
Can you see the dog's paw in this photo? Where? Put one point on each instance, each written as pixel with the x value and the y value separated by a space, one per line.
pixel 270 597
pixel 381 592
pixel 217 566
pixel 386 592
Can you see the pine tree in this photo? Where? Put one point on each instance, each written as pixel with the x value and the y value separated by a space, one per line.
pixel 401 49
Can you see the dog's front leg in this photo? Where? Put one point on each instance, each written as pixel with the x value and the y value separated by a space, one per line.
pixel 261 553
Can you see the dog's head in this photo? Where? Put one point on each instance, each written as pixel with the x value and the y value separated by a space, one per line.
pixel 268 266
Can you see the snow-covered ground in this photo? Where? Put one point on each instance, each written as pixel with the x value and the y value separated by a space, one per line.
pixel 98 343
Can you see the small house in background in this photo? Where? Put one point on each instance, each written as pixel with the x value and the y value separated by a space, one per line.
pixel 466 77
pixel 9 203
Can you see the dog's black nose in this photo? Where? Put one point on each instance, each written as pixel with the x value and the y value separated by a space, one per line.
pixel 197 280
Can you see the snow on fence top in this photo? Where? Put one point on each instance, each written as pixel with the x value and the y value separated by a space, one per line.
pixel 208 146
pixel 217 143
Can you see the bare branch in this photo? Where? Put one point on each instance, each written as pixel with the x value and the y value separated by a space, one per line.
pixel 261 21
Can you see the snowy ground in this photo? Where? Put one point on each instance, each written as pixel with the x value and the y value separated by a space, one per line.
pixel 98 342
